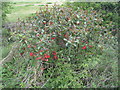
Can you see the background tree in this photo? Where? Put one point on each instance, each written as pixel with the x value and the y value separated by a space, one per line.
pixel 6 6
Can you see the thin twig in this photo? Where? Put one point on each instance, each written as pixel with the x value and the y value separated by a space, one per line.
pixel 9 57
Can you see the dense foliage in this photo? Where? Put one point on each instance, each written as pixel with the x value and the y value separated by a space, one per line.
pixel 109 10
pixel 63 48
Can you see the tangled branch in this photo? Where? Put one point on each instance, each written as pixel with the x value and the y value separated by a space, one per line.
pixel 9 57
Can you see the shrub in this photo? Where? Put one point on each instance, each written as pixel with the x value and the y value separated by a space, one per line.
pixel 109 10
pixel 56 44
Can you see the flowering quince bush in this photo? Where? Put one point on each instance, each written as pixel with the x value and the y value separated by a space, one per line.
pixel 57 42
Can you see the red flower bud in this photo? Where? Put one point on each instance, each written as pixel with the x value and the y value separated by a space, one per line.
pixel 55 57
pixel 84 47
pixel 46 60
pixel 31 54
pixel 86 42
pixel 82 41
pixel 29 46
pixel 90 46
pixel 54 53
pixel 44 22
pixel 38 58
pixel 51 23
pixel 53 38
pixel 23 48
pixel 41 50
pixel 34 46
pixel 37 35
pixel 46 56
pixel 21 54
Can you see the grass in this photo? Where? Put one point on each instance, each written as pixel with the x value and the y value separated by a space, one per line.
pixel 5 50
pixel 21 12
pixel 31 3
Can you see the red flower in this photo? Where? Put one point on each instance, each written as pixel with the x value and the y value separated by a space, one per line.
pixel 21 54
pixel 34 46
pixel 41 40
pixel 44 22
pixel 86 42
pixel 51 23
pixel 84 47
pixel 23 48
pixel 45 59
pixel 41 50
pixel 66 35
pixel 68 18
pixel 46 56
pixel 31 54
pixel 47 50
pixel 54 53
pixel 55 57
pixel 53 38
pixel 29 46
pixel 49 41
pixel 38 58
pixel 37 35
pixel 90 46
pixel 82 41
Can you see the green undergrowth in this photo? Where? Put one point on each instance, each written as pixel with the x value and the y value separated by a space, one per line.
pixel 92 71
